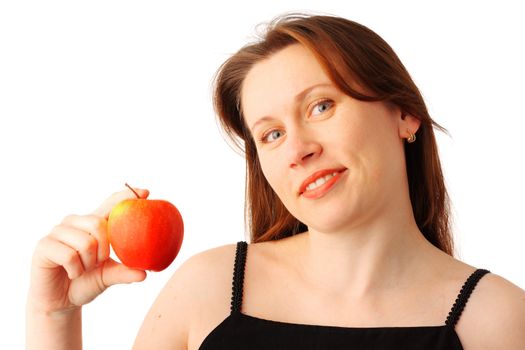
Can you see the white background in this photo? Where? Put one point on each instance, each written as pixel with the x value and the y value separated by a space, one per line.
pixel 97 93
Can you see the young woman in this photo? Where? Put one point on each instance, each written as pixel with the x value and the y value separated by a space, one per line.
pixel 348 215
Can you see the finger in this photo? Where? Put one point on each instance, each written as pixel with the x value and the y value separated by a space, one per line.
pixel 51 254
pixel 97 227
pixel 105 208
pixel 115 273
pixel 80 241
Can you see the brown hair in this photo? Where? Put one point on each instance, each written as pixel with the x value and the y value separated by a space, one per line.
pixel 353 56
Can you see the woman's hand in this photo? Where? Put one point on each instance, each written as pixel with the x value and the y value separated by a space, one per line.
pixel 71 266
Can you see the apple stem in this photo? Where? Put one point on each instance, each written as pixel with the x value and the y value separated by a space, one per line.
pixel 132 190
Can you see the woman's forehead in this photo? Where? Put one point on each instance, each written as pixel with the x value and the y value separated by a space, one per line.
pixel 279 80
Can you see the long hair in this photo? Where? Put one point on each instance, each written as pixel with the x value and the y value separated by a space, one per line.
pixel 353 56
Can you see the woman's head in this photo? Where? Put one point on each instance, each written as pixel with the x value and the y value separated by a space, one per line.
pixel 363 68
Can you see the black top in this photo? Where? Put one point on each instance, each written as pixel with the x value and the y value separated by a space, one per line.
pixel 240 331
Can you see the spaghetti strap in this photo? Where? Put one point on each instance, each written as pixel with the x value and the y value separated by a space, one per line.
pixel 238 276
pixel 464 294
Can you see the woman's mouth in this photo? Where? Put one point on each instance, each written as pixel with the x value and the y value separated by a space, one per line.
pixel 319 183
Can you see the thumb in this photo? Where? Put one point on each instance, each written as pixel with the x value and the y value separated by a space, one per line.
pixel 115 273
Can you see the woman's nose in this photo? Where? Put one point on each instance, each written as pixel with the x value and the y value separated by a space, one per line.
pixel 302 148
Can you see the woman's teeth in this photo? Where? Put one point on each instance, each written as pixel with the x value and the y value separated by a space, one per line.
pixel 320 181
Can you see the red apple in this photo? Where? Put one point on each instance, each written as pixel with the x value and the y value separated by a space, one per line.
pixel 145 234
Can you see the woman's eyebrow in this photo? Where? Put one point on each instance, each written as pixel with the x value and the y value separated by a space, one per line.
pixel 259 121
pixel 306 91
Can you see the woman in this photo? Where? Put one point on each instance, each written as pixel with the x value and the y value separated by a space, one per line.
pixel 348 217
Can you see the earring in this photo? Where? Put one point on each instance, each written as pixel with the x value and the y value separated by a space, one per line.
pixel 411 138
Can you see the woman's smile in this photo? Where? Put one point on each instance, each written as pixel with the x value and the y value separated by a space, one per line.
pixel 320 183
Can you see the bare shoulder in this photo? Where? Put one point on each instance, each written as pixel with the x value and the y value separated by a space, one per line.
pixel 494 317
pixel 194 299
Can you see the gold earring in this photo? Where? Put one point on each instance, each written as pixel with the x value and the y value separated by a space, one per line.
pixel 411 138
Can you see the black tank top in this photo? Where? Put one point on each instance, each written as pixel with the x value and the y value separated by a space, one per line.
pixel 240 331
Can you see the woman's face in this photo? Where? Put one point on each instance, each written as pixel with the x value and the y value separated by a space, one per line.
pixel 335 162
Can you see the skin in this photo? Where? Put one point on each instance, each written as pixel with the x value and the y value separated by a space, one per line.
pixel 365 219
pixel 70 268
pixel 361 231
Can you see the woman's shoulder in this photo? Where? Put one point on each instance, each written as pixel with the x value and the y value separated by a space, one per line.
pixel 494 317
pixel 207 263
pixel 195 298
pixel 206 269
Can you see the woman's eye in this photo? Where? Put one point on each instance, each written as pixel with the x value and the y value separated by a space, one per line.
pixel 322 106
pixel 272 135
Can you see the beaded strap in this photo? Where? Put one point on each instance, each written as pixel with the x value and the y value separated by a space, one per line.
pixel 238 276
pixel 464 294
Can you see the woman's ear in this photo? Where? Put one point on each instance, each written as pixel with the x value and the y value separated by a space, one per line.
pixel 408 125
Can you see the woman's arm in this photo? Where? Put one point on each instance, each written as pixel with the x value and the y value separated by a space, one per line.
pixel 71 267
pixel 47 330
pixel 195 299
pixel 494 317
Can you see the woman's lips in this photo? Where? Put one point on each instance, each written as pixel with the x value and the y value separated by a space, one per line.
pixel 319 188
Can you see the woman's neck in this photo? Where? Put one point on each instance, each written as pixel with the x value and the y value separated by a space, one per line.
pixel 365 259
